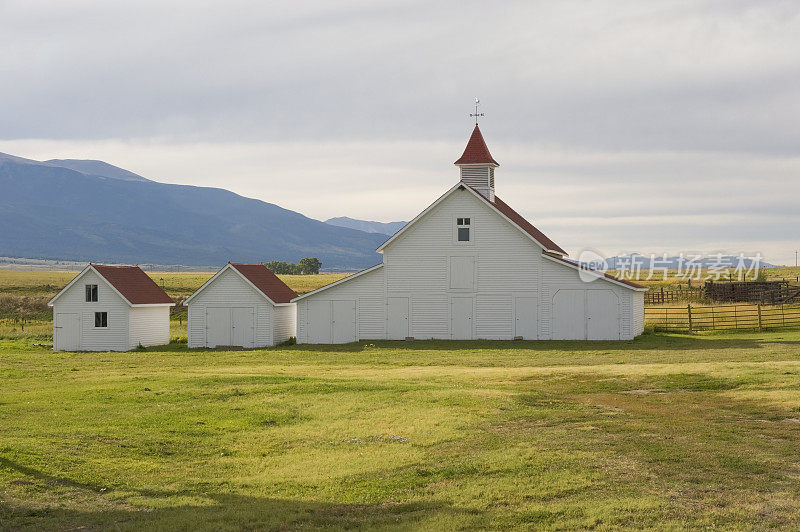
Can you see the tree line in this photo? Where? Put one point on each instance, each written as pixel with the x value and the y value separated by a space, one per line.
pixel 306 266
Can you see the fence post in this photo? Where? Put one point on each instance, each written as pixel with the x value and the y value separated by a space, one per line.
pixel 759 317
pixel 689 311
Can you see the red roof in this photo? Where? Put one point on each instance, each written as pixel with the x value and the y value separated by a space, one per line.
pixel 524 224
pixel 266 281
pixel 476 151
pixel 134 285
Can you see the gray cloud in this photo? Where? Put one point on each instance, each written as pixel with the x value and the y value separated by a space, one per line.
pixel 643 116
pixel 620 75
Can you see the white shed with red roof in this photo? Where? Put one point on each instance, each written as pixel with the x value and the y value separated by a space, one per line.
pixel 110 308
pixel 470 267
pixel 242 305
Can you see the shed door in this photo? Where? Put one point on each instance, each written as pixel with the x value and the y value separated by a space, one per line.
pixel 67 331
pixel 344 322
pixel 242 327
pixel 461 318
pixel 319 322
pixel 218 326
pixel 569 315
pixel 526 320
pixel 397 317
pixel 602 315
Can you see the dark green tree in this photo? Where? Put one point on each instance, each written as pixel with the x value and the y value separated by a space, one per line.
pixel 310 265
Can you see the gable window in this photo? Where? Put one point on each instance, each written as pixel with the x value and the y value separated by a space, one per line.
pixel 91 292
pixel 101 319
pixel 463 225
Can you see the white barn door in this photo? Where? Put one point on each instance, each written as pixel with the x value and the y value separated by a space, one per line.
pixel 461 318
pixel 218 326
pixel 344 322
pixel 526 319
pixel 569 315
pixel 242 327
pixel 67 331
pixel 602 315
pixel 397 318
pixel 319 322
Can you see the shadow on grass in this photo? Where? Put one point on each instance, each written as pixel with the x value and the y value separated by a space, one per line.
pixel 208 511
pixel 646 342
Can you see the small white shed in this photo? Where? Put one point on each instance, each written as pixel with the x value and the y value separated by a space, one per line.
pixel 110 308
pixel 242 305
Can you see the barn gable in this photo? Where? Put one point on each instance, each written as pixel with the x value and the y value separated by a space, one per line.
pixel 258 277
pixel 497 206
pixel 130 283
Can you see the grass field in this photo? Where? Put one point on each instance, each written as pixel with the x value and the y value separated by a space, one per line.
pixel 665 432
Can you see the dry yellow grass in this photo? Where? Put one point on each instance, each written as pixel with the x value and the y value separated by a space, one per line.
pixel 177 284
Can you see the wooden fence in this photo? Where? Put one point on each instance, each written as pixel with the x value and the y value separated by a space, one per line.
pixel 692 318
pixel 661 296
pixel 766 293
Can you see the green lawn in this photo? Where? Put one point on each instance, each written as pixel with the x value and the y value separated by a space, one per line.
pixel 667 431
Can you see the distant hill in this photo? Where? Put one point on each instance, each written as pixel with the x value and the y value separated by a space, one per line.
pixel 644 261
pixel 384 228
pixel 100 168
pixel 105 213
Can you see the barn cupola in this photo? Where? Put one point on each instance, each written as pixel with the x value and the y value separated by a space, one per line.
pixel 477 165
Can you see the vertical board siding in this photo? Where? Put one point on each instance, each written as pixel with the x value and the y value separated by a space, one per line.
pixel 115 337
pixel 229 290
pixel 149 326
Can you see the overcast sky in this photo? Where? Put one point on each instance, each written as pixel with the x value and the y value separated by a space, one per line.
pixel 619 126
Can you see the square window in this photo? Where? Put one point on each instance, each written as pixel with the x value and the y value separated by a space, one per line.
pixel 466 221
pixel 463 234
pixel 91 292
pixel 101 319
pixel 459 221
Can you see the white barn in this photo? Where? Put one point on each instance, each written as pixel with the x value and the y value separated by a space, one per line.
pixel 110 308
pixel 470 267
pixel 243 305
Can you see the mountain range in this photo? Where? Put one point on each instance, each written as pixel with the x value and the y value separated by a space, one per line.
pixel 90 210
pixel 384 228
pixel 646 262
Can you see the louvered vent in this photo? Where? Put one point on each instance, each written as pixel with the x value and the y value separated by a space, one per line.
pixel 481 178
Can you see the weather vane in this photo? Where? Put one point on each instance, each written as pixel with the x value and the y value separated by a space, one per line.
pixel 476 115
